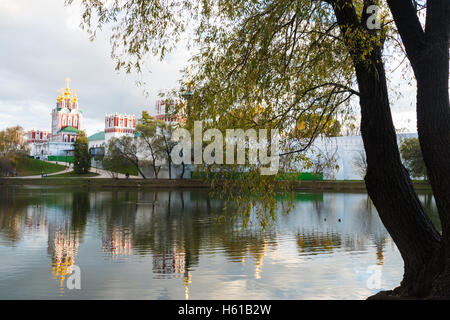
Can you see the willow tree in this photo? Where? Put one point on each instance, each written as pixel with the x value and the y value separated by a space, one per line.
pixel 272 63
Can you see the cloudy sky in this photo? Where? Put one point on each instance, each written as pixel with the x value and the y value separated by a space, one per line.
pixel 41 45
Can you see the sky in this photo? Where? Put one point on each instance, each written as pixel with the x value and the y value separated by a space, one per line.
pixel 42 45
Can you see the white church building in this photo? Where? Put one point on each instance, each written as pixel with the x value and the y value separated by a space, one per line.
pixel 67 120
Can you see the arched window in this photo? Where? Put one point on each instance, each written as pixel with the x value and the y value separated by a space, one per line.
pixel 70 121
pixel 65 138
pixel 64 120
pixel 75 121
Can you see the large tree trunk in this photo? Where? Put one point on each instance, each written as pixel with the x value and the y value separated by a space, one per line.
pixel 387 181
pixel 428 52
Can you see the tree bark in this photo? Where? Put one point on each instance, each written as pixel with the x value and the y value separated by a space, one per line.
pixel 182 171
pixel 428 52
pixel 387 181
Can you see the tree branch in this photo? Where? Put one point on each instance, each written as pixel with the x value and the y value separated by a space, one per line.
pixel 409 27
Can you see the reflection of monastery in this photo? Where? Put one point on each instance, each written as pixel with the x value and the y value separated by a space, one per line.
pixel 173 262
pixel 117 242
pixel 170 262
pixel 63 246
pixel 159 225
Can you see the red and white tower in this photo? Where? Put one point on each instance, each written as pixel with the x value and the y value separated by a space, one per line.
pixel 66 117
pixel 117 125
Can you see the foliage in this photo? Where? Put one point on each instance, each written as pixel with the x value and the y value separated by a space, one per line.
pixel 412 157
pixel 122 152
pixel 166 130
pixel 12 141
pixel 81 156
pixel 113 162
pixel 6 167
pixel 152 141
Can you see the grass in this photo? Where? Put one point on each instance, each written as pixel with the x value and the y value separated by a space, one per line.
pixel 32 167
pixel 72 174
pixel 131 169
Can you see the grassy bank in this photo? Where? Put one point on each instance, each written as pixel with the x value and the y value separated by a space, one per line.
pixel 33 167
pixel 306 186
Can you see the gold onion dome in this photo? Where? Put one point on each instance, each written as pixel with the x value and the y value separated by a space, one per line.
pixel 59 99
pixel 68 92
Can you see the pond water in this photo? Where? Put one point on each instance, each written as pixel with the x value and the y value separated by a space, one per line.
pixel 134 244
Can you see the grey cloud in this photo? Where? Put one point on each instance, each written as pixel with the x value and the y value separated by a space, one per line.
pixel 41 46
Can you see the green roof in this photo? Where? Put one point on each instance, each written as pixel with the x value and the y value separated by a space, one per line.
pixel 97 136
pixel 69 129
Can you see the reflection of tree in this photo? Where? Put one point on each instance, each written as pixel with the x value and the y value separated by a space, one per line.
pixel 316 242
pixel 176 228
pixel 380 243
pixel 117 218
pixel 338 221
pixel 80 209
pixel 430 208
pixel 21 211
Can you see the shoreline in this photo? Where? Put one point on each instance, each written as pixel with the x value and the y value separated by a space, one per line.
pixel 327 185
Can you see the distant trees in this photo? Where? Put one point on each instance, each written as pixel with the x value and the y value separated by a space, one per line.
pixel 155 139
pixel 81 156
pixel 113 162
pixel 12 145
pixel 6 167
pixel 121 152
pixel 151 141
pixel 360 163
pixel 325 160
pixel 165 131
pixel 12 141
pixel 150 147
pixel 412 157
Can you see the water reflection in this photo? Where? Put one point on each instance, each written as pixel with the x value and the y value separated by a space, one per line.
pixel 170 245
